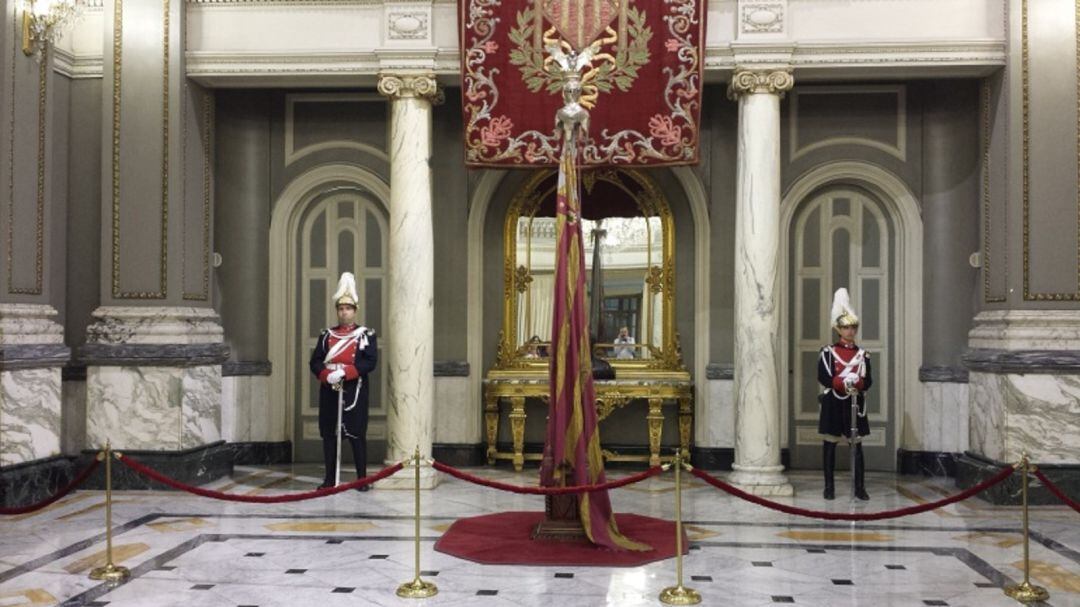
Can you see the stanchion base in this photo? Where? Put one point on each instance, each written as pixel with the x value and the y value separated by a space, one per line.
pixel 417 589
pixel 1027 593
pixel 679 595
pixel 110 573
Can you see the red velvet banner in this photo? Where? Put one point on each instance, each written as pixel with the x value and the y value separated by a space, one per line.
pixel 643 85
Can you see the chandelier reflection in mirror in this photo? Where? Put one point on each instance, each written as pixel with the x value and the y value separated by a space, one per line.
pixel 44 22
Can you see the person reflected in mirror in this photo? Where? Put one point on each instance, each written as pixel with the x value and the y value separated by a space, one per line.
pixel 844 374
pixel 624 345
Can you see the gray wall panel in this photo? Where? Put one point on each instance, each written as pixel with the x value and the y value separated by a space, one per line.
pixel 950 200
pixel 84 244
pixel 242 220
pixel 721 121
pixel 450 216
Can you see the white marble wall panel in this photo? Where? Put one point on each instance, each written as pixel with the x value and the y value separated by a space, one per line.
pixel 29 414
pixel 134 407
pixel 945 417
pixel 1042 414
pixel 719 430
pixel 200 406
pixel 245 410
pixel 987 427
pixel 457 420
pixel 1036 413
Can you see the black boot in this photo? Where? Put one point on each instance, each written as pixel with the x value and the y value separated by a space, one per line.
pixel 329 452
pixel 860 473
pixel 359 453
pixel 828 451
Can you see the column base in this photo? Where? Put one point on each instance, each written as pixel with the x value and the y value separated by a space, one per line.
pixel 762 481
pixel 406 478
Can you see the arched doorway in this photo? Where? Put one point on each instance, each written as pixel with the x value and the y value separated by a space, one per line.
pixel 330 220
pixel 342 230
pixel 853 225
pixel 841 238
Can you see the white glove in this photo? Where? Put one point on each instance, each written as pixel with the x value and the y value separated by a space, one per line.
pixel 335 377
pixel 849 383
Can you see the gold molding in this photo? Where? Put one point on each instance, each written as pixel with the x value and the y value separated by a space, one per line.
pixel 750 82
pixel 1025 60
pixel 650 200
pixel 39 232
pixel 205 137
pixel 984 110
pixel 118 44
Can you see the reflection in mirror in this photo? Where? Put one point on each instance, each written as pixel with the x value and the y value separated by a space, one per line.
pixel 623 261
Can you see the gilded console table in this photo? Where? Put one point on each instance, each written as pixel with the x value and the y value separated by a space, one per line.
pixel 610 395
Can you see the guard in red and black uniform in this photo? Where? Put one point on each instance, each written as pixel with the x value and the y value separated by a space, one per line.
pixel 342 360
pixel 844 374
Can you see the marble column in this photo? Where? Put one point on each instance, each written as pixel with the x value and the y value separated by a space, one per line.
pixel 410 336
pixel 757 467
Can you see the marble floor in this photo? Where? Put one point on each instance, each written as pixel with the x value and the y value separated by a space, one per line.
pixel 356 548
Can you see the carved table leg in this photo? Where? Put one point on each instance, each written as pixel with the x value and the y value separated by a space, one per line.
pixel 517 428
pixel 656 426
pixel 686 417
pixel 491 423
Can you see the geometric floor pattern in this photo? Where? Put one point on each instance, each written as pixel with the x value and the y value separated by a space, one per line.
pixel 356 548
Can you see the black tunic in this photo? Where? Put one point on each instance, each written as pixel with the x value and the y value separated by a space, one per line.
pixel 355 415
pixel 834 419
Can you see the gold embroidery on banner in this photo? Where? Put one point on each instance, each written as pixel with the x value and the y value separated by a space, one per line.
pixel 1026 156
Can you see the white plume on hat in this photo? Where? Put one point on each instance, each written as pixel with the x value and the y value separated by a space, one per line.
pixel 843 315
pixel 346 290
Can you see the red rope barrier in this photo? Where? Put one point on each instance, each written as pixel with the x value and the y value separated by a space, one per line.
pixel 862 516
pixel 75 482
pixel 1056 491
pixel 257 499
pixel 465 476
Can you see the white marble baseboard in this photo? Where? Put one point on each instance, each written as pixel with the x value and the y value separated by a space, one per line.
pixel 1026 330
pixel 245 413
pixel 156 325
pixel 29 414
pixel 457 420
pixel 716 427
pixel 945 417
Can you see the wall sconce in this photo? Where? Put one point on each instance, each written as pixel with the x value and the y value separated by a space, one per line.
pixel 44 20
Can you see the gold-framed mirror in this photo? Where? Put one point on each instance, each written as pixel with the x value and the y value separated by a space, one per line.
pixel 629 238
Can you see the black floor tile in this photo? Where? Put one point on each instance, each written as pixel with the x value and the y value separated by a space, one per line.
pixel 379 556
pixel 701 578
pixel 895 567
pixel 296 571
pixel 761 563
pixel 486 592
pixel 564 576
pixel 843 582
pixel 202 586
pixel 935 602
pixel 343 590
pixel 783 599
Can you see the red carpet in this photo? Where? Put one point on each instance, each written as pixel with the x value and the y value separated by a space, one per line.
pixel 504 539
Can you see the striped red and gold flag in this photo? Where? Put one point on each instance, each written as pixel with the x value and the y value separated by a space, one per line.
pixel 572 451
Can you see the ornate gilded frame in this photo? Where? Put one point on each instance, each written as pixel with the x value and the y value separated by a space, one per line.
pixel 511 352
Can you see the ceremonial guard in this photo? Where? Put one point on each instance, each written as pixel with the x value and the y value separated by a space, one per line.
pixel 342 359
pixel 844 374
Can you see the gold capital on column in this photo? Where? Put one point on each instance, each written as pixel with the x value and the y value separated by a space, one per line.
pixel 749 82
pixel 400 86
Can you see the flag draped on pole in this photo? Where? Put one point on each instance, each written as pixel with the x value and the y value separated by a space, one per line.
pixel 572 450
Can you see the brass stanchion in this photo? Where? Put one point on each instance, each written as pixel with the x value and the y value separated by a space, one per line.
pixel 679 594
pixel 1026 592
pixel 417 588
pixel 109 572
